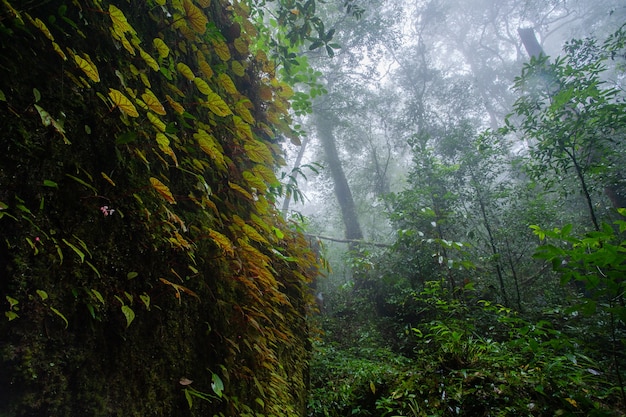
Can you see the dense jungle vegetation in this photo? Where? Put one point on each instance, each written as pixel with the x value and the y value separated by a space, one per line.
pixel 312 208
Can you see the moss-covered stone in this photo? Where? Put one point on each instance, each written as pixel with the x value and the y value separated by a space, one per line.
pixel 117 290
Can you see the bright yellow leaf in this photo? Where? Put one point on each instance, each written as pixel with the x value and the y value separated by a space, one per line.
pixel 178 108
pixel 195 16
pixel 254 181
pixel 253 234
pixel 222 241
pixel 241 190
pixel 202 86
pixel 228 84
pixel 266 173
pixel 59 51
pixel 163 190
pixel 106 177
pixel 153 103
pixel 258 152
pixel 120 24
pixel 238 68
pixel 88 68
pixel 260 223
pixel 221 49
pixel 217 105
pixel 209 145
pixel 156 122
pixel 243 129
pixel 185 71
pixel 164 145
pixel 161 47
pixel 242 110
pixel 205 68
pixel 144 79
pixel 43 28
pixel 123 103
pixel 151 62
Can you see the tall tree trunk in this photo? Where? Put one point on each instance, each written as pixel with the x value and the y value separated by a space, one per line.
pixel 324 127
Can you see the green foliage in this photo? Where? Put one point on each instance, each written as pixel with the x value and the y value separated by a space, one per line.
pixel 572 119
pixel 461 356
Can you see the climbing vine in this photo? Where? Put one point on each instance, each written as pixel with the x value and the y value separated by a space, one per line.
pixel 136 210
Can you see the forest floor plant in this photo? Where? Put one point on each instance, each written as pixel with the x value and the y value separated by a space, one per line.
pixel 469 357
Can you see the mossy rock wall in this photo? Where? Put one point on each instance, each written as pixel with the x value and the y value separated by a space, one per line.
pixel 140 248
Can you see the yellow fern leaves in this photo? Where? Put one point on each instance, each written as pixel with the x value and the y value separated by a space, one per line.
pixel 243 129
pixel 178 108
pixel 163 190
pixel 221 49
pixel 120 24
pixel 217 105
pixel 258 152
pixel 123 103
pixel 161 47
pixel 227 83
pixel 202 86
pixel 88 68
pixel 153 103
pixel 196 18
pixel 210 147
pixel 156 122
pixel 185 71
pixel 151 62
pixel 164 145
pixel 222 241
pixel 43 28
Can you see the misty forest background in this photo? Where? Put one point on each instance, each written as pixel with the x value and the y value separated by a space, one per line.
pixel 307 208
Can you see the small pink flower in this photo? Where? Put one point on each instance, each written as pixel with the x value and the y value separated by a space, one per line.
pixel 107 211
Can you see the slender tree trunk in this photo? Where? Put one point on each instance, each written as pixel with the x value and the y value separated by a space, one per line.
pixel 493 246
pixel 324 126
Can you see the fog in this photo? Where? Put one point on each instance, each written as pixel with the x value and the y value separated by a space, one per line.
pixel 415 68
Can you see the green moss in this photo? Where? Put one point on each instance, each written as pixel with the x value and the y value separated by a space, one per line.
pixel 195 299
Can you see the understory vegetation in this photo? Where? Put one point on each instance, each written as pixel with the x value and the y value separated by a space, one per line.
pixel 496 298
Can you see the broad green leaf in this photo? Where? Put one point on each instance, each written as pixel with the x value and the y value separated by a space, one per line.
pixel 98 296
pixel 145 299
pixel 218 106
pixel 217 385
pixel 11 315
pixel 12 301
pixel 202 86
pixel 129 314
